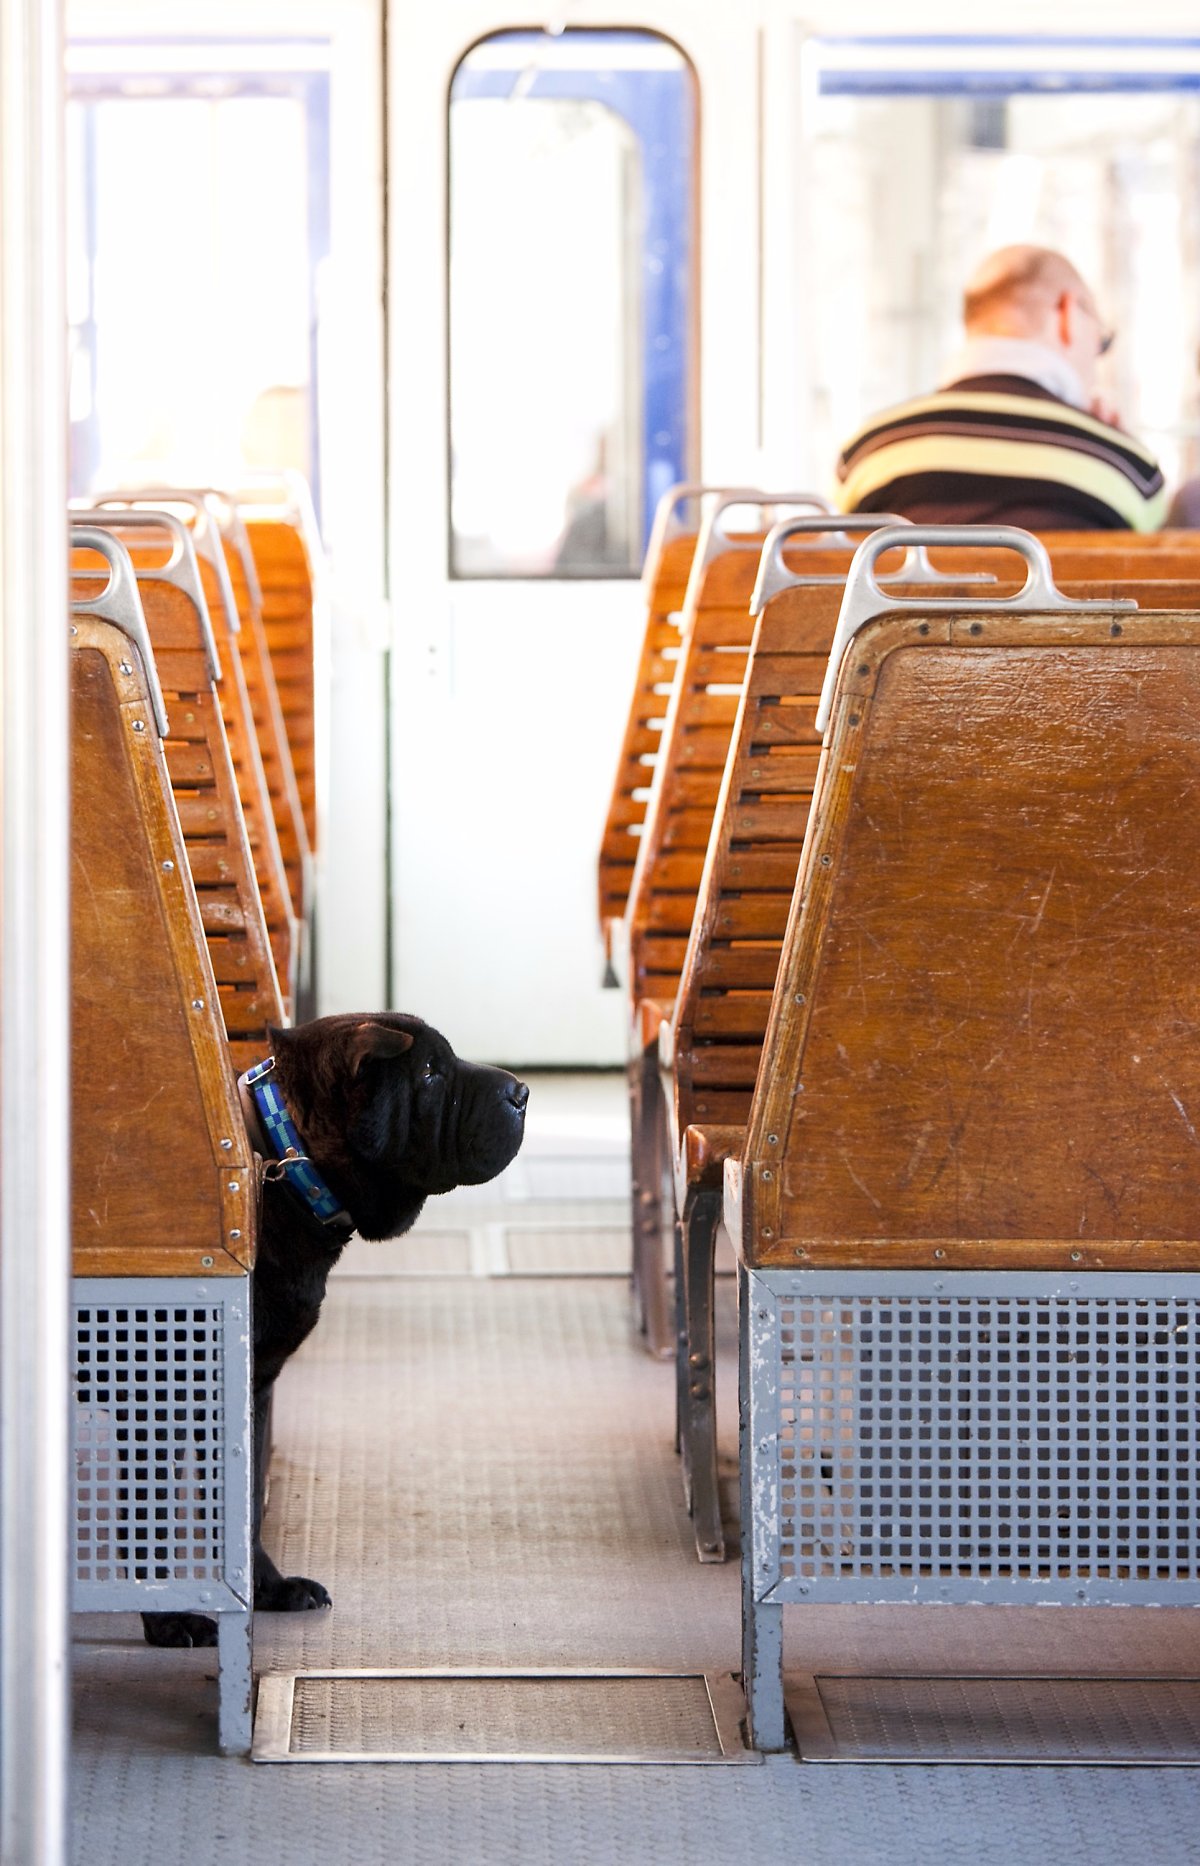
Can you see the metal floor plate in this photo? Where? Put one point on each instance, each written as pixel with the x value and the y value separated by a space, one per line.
pixel 468 1715
pixel 1150 1722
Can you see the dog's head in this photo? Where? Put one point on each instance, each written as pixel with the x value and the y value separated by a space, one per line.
pixel 389 1113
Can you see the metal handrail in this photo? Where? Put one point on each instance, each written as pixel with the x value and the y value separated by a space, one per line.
pixel 865 598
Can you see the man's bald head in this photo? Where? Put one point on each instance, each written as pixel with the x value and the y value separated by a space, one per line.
pixel 1035 294
pixel 1010 291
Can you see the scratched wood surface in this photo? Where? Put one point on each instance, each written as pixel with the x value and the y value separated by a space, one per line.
pixel 153 1191
pixel 982 1050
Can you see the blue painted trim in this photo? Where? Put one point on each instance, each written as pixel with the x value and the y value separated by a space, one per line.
pixel 1000 83
pixel 1057 74
pixel 1150 41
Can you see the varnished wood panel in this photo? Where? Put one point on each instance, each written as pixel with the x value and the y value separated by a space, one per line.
pixel 983 1047
pixel 152 1089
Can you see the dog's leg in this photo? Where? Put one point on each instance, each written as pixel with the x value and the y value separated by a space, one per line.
pixel 275 1592
pixel 179 1629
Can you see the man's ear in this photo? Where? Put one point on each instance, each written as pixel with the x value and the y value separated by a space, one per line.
pixel 375 1042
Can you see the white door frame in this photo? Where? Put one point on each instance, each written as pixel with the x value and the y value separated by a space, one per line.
pixel 472 961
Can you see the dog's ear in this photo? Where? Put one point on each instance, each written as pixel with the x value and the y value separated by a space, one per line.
pixel 280 1038
pixel 375 1042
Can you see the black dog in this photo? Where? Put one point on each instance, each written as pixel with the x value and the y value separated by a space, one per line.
pixel 384 1114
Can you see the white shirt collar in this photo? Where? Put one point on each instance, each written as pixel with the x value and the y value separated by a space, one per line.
pixel 1017 356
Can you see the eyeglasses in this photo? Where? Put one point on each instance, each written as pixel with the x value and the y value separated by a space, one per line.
pixel 1106 338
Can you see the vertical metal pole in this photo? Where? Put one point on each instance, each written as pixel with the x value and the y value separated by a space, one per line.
pixel 34 941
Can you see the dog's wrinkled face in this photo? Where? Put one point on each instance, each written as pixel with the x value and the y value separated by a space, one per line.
pixel 384 1103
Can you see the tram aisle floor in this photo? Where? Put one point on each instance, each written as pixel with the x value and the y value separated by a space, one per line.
pixel 475 1454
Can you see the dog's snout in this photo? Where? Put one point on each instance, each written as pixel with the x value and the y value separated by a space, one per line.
pixel 518 1094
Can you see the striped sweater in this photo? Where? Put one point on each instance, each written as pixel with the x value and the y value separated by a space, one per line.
pixel 1000 450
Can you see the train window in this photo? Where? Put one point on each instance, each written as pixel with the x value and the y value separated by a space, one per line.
pixel 198 225
pixel 572 342
pixel 926 155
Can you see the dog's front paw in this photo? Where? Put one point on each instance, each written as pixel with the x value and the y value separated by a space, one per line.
pixel 290 1593
pixel 179 1629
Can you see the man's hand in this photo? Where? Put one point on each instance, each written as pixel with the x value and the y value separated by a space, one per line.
pixel 1104 411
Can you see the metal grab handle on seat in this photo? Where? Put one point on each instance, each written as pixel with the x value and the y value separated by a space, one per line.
pixel 773 573
pixel 865 598
pixel 120 604
pixel 206 532
pixel 181 569
pixel 714 539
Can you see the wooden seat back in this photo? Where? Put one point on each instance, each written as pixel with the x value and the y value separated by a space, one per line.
pixel 729 969
pixel 717 630
pixel 669 559
pixel 286 553
pixel 979 1051
pixel 269 720
pixel 237 709
pixel 162 1174
pixel 203 780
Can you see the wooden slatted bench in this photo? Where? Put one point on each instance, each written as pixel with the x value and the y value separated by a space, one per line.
pixel 286 548
pixel 203 780
pixel 264 699
pixel 966 1206
pixel 254 789
pixel 715 640
pixel 163 1193
pixel 669 557
pixel 711 1047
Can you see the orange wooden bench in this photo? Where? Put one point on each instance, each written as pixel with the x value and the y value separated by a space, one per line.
pixel 203 779
pixel 711 1051
pixel 163 1187
pixel 264 699
pixel 974 1113
pixel 687 778
pixel 254 788
pixel 287 555
pixel 711 1047
pixel 669 558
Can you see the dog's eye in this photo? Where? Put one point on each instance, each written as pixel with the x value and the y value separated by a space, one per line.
pixel 431 1072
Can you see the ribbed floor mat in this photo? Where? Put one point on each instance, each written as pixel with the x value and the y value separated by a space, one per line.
pixel 1150 1721
pixel 500 1716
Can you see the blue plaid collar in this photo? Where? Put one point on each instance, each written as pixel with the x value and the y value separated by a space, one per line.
pixel 291 1163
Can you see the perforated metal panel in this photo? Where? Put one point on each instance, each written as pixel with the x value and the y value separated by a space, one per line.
pixel 1004 1437
pixel 161 1430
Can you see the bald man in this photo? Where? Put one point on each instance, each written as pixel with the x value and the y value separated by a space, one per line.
pixel 1014 433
